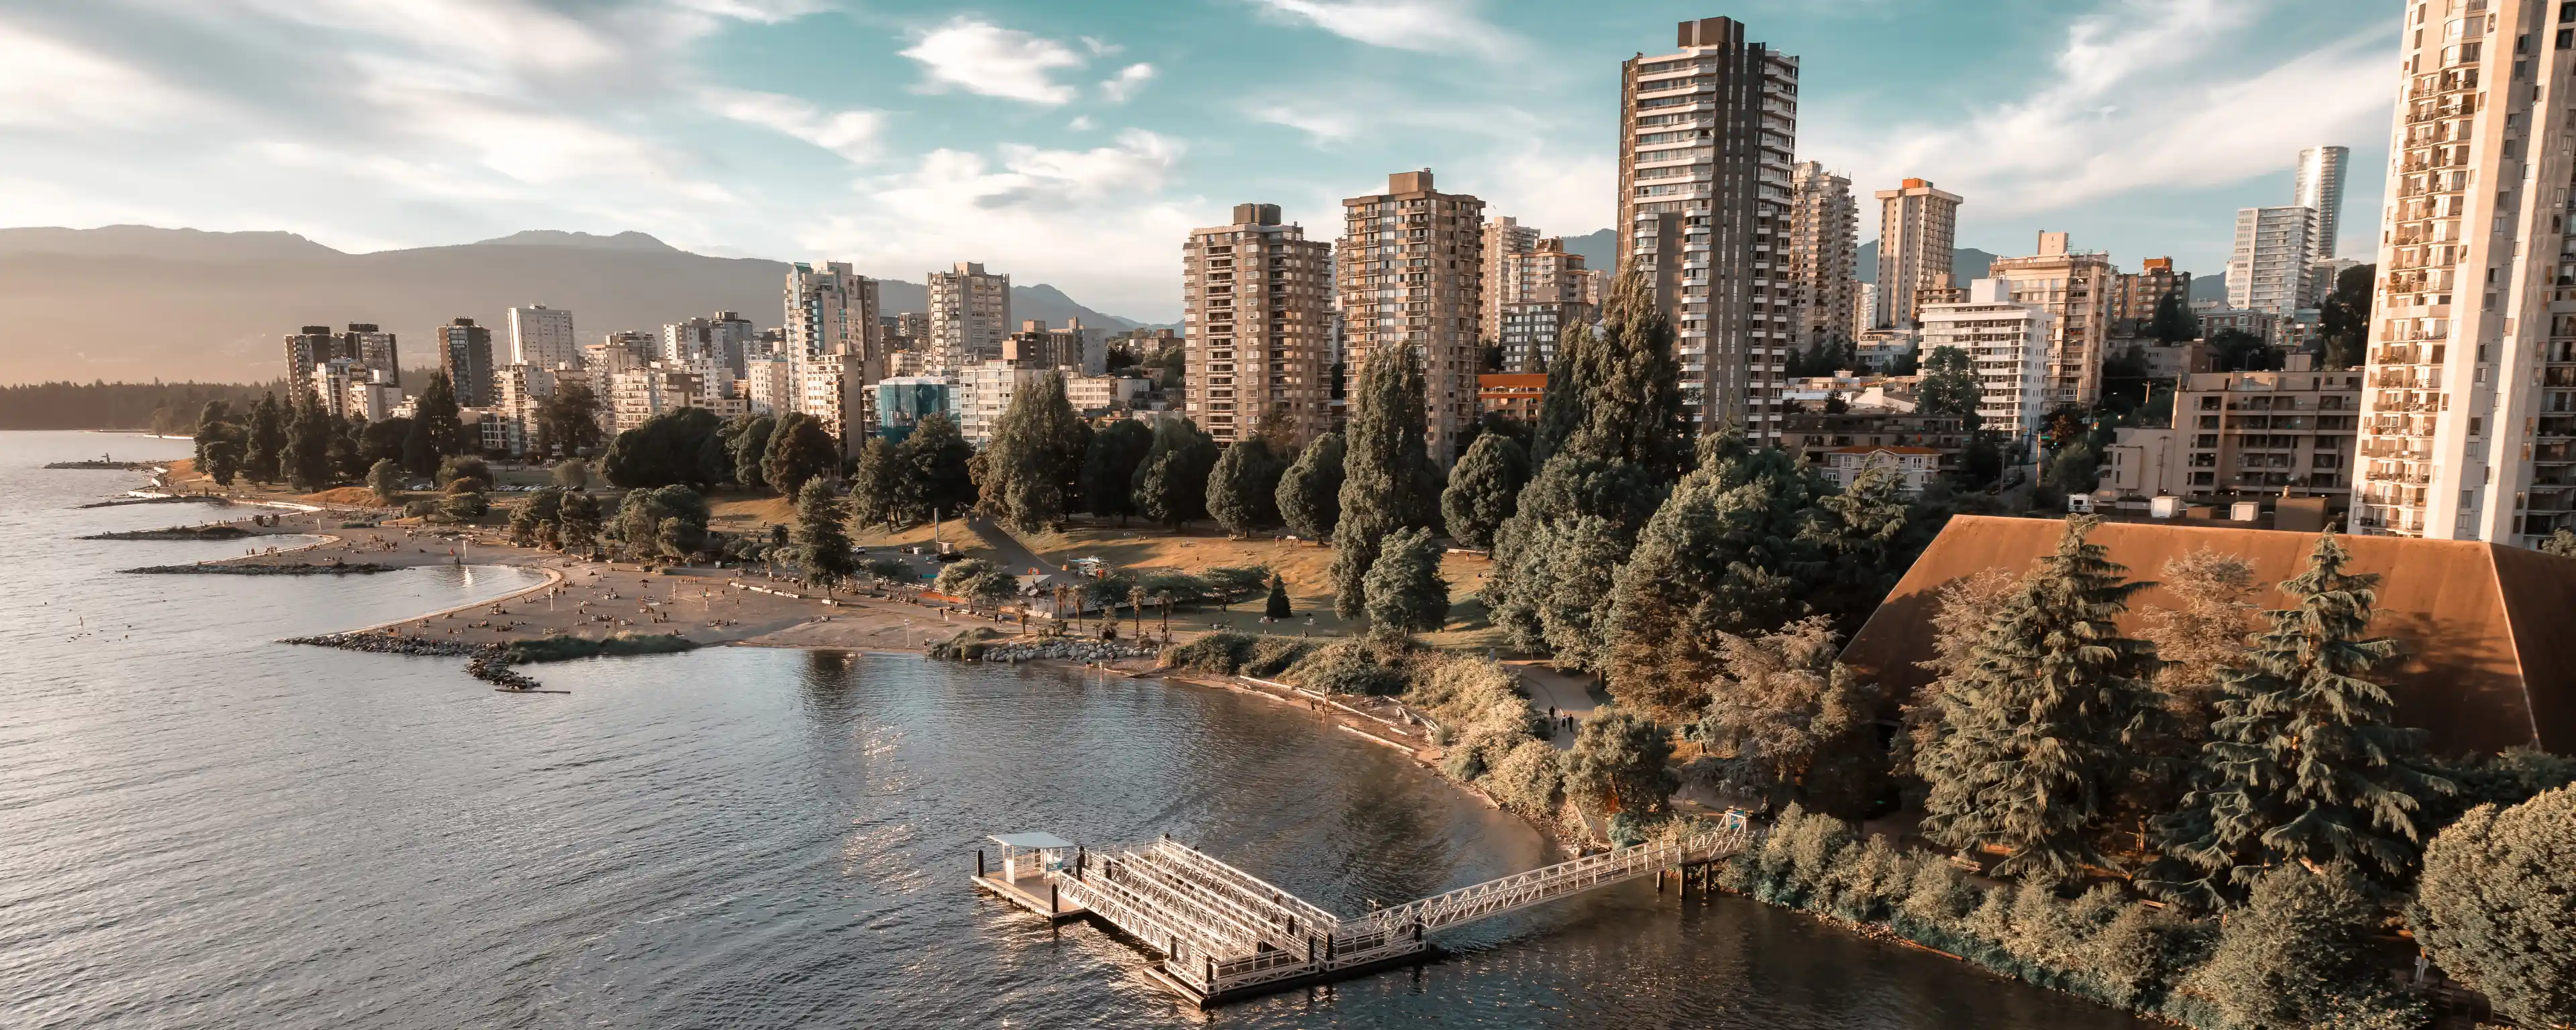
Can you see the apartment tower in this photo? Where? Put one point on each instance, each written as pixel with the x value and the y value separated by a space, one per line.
pixel 832 341
pixel 2269 270
pixel 465 354
pixel 1545 293
pixel 1917 228
pixel 2468 426
pixel 542 336
pixel 970 315
pixel 1705 141
pixel 2077 289
pixel 2319 188
pixel 1824 246
pixel 1505 238
pixel 1411 269
pixel 1256 310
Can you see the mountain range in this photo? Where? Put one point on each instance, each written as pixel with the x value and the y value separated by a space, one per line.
pixel 137 303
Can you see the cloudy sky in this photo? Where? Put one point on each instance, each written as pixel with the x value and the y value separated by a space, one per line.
pixel 1075 143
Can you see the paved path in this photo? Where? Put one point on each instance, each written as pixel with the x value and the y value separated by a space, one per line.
pixel 1549 686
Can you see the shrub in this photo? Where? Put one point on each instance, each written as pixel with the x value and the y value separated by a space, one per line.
pixel 1220 653
pixel 1273 655
pixel 2497 906
pixel 1374 666
pixel 1528 779
pixel 562 648
pixel 2294 956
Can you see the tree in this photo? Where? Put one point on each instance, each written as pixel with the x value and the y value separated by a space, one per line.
pixel 1484 489
pixel 1791 722
pixel 2173 321
pixel 876 485
pixel 1310 492
pixel 746 441
pixel 2345 317
pixel 464 467
pixel 224 459
pixel 2298 956
pixel 1386 473
pixel 1862 539
pixel 578 521
pixel 800 449
pixel 418 456
pixel 572 474
pixel 386 479
pixel 673 447
pixel 1243 489
pixel 2039 725
pixel 1950 387
pixel 2074 469
pixel 464 505
pixel 932 463
pixel 2203 633
pixel 1959 614
pixel 348 448
pixel 1617 764
pixel 213 423
pixel 2306 762
pixel 1034 463
pixel 2497 906
pixel 1109 468
pixel 435 412
pixel 264 456
pixel 543 508
pixel 2561 543
pixel 1171 483
pixel 1404 590
pixel 639 524
pixel 2235 350
pixel 307 457
pixel 568 421
pixel 1278 606
pixel 821 550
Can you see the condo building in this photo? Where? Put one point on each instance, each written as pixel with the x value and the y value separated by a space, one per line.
pixel 2318 186
pixel 1505 239
pixel 1705 142
pixel 970 315
pixel 1544 292
pixel 2075 288
pixel 465 354
pixel 2007 342
pixel 832 338
pixel 1256 301
pixel 1824 250
pixel 2274 252
pixel 1918 226
pixel 2136 297
pixel 1411 270
pixel 542 336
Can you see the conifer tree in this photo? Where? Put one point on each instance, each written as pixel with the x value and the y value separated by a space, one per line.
pixel 1243 490
pixel 211 426
pixel 2497 906
pixel 263 458
pixel 1386 474
pixel 821 550
pixel 1278 606
pixel 1035 458
pixel 1172 482
pixel 750 443
pixel 348 456
pixel 1405 591
pixel 386 479
pixel 307 458
pixel 1864 537
pixel 579 525
pixel 1950 386
pixel 2298 956
pixel 933 465
pixel 1310 492
pixel 799 450
pixel 2305 762
pixel 1109 468
pixel 2038 728
pixel 876 488
pixel 1484 489
pixel 435 412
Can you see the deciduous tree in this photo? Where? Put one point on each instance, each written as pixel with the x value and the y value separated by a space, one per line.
pixel 933 464
pixel 746 441
pixel 1950 386
pixel 386 479
pixel 2497 906
pixel 1033 464
pixel 1618 764
pixel 1171 483
pixel 1109 469
pixel 1243 489
pixel 2298 955
pixel 1792 723
pixel 800 449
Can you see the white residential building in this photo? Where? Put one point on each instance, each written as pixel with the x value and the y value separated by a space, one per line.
pixel 835 390
pixel 769 384
pixel 2007 342
pixel 970 315
pixel 2270 269
pixel 1092 394
pixel 2319 188
pixel 984 392
pixel 1917 227
pixel 542 336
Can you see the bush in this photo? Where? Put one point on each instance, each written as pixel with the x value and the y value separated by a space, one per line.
pixel 1528 779
pixel 562 648
pixel 420 509
pixel 2497 906
pixel 1372 666
pixel 2294 956
pixel 464 467
pixel 1273 655
pixel 464 507
pixel 1220 653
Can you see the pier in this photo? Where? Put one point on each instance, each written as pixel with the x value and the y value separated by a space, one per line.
pixel 1220 934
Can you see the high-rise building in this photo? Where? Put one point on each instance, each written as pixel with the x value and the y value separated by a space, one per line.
pixel 1824 253
pixel 1705 142
pixel 465 354
pixel 970 315
pixel 2008 343
pixel 305 348
pixel 1411 268
pixel 542 336
pixel 1917 228
pixel 1073 346
pixel 832 336
pixel 1545 291
pixel 1505 238
pixel 2469 399
pixel 984 392
pixel 2271 267
pixel 2137 297
pixel 2319 188
pixel 1256 296
pixel 2075 288
pixel 374 349
pixel 1865 317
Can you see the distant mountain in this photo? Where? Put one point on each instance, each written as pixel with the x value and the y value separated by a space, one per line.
pixel 2210 287
pixel 1967 264
pixel 1600 249
pixel 138 303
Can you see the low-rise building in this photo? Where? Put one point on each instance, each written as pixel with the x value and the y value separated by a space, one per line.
pixel 1093 395
pixel 2262 324
pixel 1914 466
pixel 1817 436
pixel 2008 345
pixel 1883 351
pixel 637 394
pixel 1074 346
pixel 2240 434
pixel 769 384
pixel 1512 395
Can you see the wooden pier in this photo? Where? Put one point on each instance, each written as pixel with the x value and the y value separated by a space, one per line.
pixel 1220 934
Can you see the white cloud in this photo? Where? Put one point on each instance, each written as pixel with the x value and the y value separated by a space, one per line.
pixel 1426 26
pixel 1322 125
pixel 851 134
pixel 46 83
pixel 1081 123
pixel 1129 79
pixel 977 56
pixel 1563 192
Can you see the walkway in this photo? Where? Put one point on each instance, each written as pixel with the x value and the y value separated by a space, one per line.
pixel 1569 693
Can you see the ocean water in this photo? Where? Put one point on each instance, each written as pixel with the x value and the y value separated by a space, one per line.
pixel 200 827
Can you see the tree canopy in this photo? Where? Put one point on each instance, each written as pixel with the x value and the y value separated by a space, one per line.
pixel 1243 489
pixel 2497 906
pixel 1033 466
pixel 800 449
pixel 1109 468
pixel 1484 489
pixel 1310 492
pixel 1171 482
pixel 1388 482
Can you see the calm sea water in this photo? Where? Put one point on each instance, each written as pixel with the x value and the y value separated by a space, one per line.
pixel 202 828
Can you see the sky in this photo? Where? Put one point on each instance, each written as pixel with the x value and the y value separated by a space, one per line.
pixel 1077 143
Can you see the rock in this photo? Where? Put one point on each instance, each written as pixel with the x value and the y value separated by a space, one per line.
pixel 356 568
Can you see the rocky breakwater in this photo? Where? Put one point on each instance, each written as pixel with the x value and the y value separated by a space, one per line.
pixel 213 532
pixel 1065 649
pixel 352 568
pixel 108 464
pixel 160 499
pixel 487 662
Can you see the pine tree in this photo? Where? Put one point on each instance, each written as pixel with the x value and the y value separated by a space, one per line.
pixel 1484 489
pixel 1386 474
pixel 435 412
pixel 933 465
pixel 2298 955
pixel 211 426
pixel 1310 492
pixel 263 459
pixel 2038 728
pixel 1109 468
pixel 800 449
pixel 1278 606
pixel 1035 458
pixel 1404 589
pixel 2306 762
pixel 750 443
pixel 2497 906
pixel 307 457
pixel 1243 490
pixel 821 551
pixel 1172 482
pixel 1864 538
pixel 876 487
pixel 1950 386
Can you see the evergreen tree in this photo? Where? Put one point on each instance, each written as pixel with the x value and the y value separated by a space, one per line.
pixel 1790 723
pixel 1618 764
pixel 1582 557
pixel 2561 543
pixel 1864 538
pixel 435 411
pixel 876 487
pixel 348 448
pixel 800 449
pixel 2039 726
pixel 821 551
pixel 750 444
pixel 1172 482
pixel 386 479
pixel 932 463
pixel 1484 489
pixel 2306 762
pixel 224 459
pixel 1310 492
pixel 1278 606
pixel 543 508
pixel 2497 906
pixel 579 522
pixel 2173 321
pixel 568 421
pixel 2298 955
pixel 212 425
pixel 1109 469
pixel 1243 490
pixel 263 459
pixel 1035 458
pixel 1385 473
pixel 1404 588
pixel 1950 386
pixel 307 457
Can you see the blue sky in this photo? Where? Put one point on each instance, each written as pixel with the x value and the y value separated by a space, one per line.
pixel 1075 143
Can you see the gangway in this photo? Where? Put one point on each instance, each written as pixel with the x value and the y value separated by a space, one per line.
pixel 1222 933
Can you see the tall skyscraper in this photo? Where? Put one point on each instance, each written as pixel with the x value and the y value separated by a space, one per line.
pixel 2076 288
pixel 1917 228
pixel 2319 187
pixel 373 349
pixel 970 315
pixel 2270 270
pixel 1505 237
pixel 542 336
pixel 306 347
pixel 1824 248
pixel 2468 426
pixel 1544 292
pixel 465 354
pixel 832 341
pixel 1705 142
pixel 1411 269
